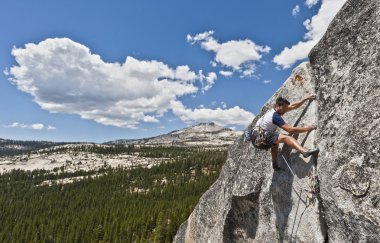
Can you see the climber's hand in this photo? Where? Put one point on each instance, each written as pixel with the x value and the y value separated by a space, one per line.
pixel 311 128
pixel 311 97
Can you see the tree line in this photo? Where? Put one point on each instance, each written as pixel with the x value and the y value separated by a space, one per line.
pixel 136 205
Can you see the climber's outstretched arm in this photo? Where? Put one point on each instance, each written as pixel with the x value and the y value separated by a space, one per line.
pixel 293 130
pixel 297 104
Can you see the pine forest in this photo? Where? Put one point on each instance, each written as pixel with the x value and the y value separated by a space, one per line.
pixel 110 204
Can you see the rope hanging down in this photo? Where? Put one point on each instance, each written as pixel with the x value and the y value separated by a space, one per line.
pixel 291 171
pixel 313 193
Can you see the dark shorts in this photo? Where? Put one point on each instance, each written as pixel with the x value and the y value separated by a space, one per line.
pixel 270 139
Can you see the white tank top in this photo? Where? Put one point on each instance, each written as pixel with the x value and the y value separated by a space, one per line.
pixel 266 121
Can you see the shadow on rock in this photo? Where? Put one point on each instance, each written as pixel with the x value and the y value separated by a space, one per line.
pixel 281 190
pixel 242 219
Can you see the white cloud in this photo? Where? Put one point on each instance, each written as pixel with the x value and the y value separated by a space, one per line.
pixel 297 52
pixel 150 119
pixel 311 3
pixel 207 81
pixel 249 71
pixel 267 81
pixel 35 126
pixel 224 117
pixel 64 76
pixel 223 104
pixel 316 28
pixel 225 73
pixel 199 37
pixel 296 10
pixel 239 55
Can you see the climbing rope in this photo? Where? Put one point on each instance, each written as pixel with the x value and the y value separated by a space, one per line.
pixel 313 180
pixel 288 165
pixel 299 197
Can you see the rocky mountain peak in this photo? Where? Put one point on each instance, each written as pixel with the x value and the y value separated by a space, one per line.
pixel 333 197
pixel 202 134
pixel 203 128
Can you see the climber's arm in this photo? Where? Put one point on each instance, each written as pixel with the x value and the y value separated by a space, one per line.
pixel 293 130
pixel 297 104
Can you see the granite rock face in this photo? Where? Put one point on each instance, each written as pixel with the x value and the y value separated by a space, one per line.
pixel 249 202
pixel 346 68
pixel 333 197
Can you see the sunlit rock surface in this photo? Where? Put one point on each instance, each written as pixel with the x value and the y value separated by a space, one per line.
pixel 334 197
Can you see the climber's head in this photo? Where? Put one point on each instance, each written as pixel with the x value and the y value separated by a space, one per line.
pixel 281 105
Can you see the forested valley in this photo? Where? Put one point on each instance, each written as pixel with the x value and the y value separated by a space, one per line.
pixel 110 204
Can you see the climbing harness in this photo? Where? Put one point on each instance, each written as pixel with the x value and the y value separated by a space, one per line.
pixel 257 137
pixel 260 139
pixel 248 136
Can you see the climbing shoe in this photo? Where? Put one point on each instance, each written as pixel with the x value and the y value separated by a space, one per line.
pixel 310 152
pixel 275 166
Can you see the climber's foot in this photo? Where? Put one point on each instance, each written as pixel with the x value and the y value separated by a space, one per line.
pixel 310 152
pixel 275 166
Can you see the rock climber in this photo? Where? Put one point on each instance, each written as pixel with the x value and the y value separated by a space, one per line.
pixel 267 126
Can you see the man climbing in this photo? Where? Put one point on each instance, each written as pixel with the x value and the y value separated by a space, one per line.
pixel 266 127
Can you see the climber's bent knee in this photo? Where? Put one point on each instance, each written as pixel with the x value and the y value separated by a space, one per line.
pixel 281 139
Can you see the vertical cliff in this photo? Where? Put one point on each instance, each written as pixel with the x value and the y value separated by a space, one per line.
pixel 333 197
pixel 346 68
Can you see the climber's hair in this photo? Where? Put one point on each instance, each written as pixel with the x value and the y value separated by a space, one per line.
pixel 281 101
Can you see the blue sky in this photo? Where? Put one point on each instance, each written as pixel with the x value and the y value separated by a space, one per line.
pixel 103 70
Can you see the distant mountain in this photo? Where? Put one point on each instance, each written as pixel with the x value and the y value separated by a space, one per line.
pixel 203 134
pixel 72 157
pixel 14 147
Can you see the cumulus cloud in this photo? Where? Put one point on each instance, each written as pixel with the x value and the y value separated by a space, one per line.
pixel 296 10
pixel 239 55
pixel 222 116
pixel 35 126
pixel 311 3
pixel 64 76
pixel 225 73
pixel 207 81
pixel 267 81
pixel 289 56
pixel 316 27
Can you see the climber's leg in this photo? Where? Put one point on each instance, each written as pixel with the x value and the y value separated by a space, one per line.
pixel 274 152
pixel 293 143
